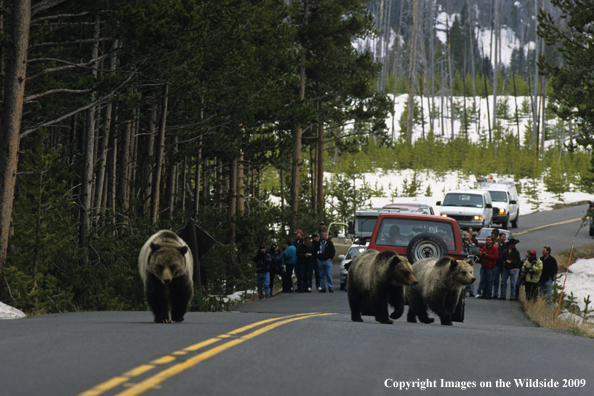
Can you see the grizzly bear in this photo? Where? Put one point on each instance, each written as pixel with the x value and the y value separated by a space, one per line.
pixel 376 279
pixel 166 268
pixel 440 283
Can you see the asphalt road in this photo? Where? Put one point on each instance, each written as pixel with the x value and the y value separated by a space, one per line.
pixel 296 344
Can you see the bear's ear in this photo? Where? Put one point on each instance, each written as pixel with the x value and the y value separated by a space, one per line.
pixel 154 247
pixel 183 250
pixel 453 264
pixel 395 260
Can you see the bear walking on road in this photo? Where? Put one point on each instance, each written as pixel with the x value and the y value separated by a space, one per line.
pixel 440 284
pixel 166 267
pixel 376 279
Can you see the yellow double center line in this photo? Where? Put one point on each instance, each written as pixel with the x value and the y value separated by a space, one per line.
pixel 546 225
pixel 155 380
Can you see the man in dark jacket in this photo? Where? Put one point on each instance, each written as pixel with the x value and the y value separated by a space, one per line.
pixel 498 272
pixel 276 267
pixel 263 261
pixel 511 261
pixel 549 270
pixel 324 252
pixel 303 269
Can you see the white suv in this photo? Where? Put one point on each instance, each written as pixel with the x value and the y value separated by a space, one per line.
pixel 506 207
pixel 470 208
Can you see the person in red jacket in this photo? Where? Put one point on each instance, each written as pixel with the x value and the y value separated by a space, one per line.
pixel 489 255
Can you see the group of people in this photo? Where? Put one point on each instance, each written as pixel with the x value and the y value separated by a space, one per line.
pixel 308 257
pixel 501 261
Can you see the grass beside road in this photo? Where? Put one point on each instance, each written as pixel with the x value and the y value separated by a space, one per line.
pixel 545 315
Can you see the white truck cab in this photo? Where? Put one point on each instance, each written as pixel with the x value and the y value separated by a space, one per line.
pixel 506 203
pixel 470 208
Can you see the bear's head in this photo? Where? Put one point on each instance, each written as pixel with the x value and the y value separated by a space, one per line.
pixel 167 261
pixel 400 272
pixel 459 271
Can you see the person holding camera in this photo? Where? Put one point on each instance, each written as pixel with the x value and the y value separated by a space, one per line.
pixel 489 255
pixel 510 258
pixel 263 261
pixel 532 269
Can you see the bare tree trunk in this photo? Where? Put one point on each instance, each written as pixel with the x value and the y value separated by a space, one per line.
pixel 171 181
pixel 412 72
pixel 197 179
pixel 86 196
pixel 155 202
pixel 12 111
pixel 320 170
pixel 149 159
pixel 240 186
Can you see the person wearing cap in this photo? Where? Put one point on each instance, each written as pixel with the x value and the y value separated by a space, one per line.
pixel 532 269
pixel 322 227
pixel 263 261
pixel 276 267
pixel 549 270
pixel 290 259
pixel 489 256
pixel 510 259
pixel 298 235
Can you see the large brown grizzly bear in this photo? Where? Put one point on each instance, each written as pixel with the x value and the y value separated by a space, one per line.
pixel 166 267
pixel 440 284
pixel 376 279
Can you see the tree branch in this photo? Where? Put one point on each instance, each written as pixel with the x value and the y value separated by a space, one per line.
pixel 95 103
pixel 30 98
pixel 86 41
pixel 44 5
pixel 69 65
pixel 51 17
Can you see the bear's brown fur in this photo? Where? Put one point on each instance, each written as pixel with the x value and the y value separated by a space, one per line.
pixel 166 267
pixel 376 279
pixel 440 283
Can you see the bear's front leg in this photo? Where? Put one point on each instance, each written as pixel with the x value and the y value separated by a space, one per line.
pixel 380 308
pixel 355 302
pixel 444 316
pixel 420 310
pixel 180 293
pixel 157 299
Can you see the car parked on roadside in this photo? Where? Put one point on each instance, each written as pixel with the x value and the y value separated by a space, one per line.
pixel 482 235
pixel 345 260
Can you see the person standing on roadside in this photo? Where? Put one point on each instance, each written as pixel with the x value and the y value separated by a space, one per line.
pixel 324 251
pixel 290 259
pixel 304 257
pixel 489 256
pixel 510 258
pixel 276 267
pixel 499 266
pixel 322 227
pixel 549 270
pixel 473 237
pixel 532 269
pixel 263 261
pixel 314 263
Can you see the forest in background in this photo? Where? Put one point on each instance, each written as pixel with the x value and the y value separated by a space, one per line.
pixel 120 118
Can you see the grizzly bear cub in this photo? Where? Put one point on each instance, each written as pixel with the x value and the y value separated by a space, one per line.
pixel 166 266
pixel 440 283
pixel 376 279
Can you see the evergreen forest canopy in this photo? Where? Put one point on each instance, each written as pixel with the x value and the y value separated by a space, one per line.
pixel 120 118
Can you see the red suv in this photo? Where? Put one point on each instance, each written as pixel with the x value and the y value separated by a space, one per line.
pixel 417 236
